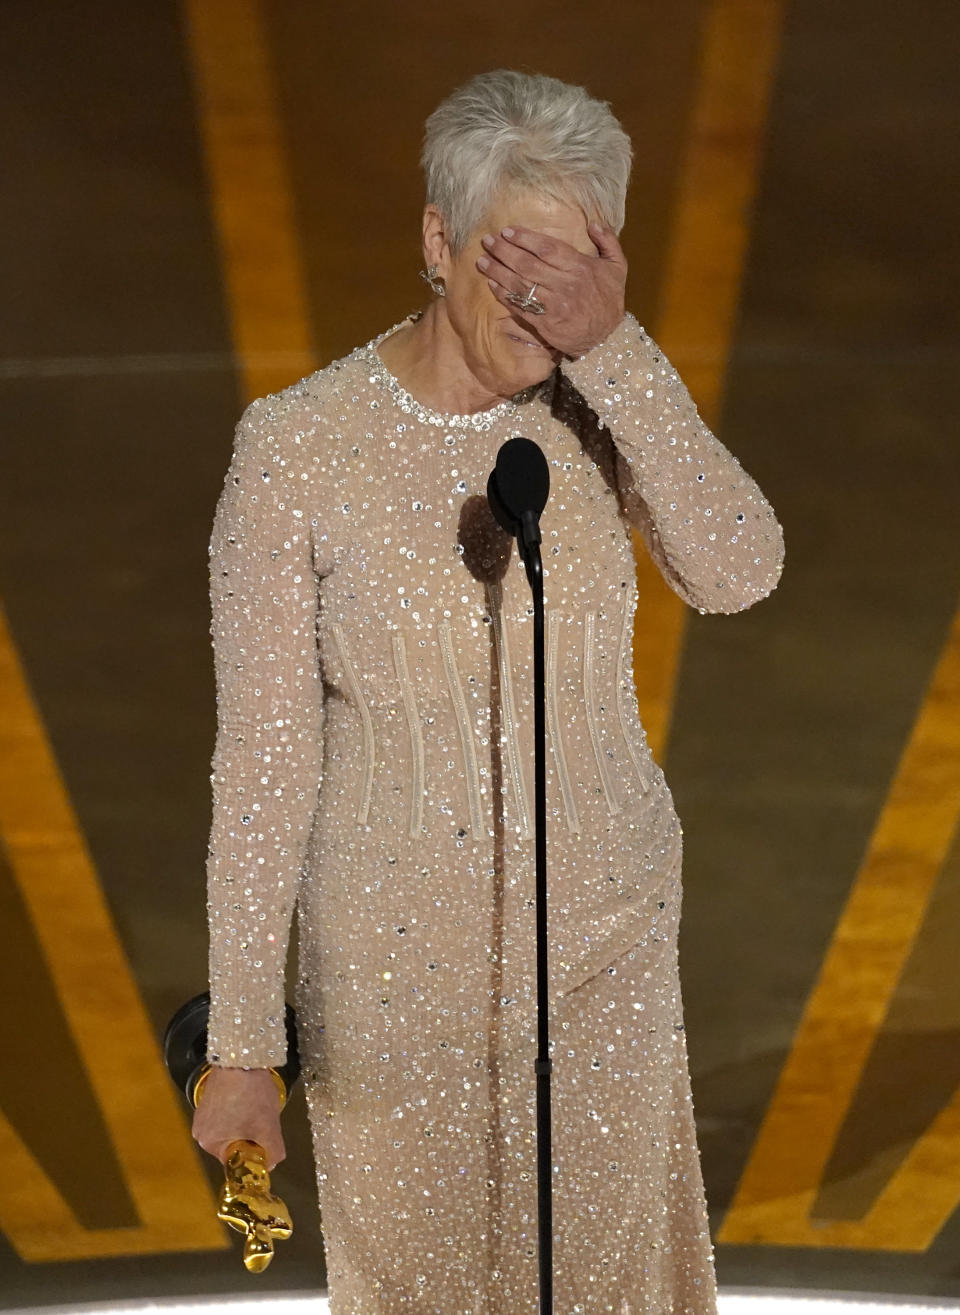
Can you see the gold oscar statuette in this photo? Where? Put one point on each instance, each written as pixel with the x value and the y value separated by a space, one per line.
pixel 246 1202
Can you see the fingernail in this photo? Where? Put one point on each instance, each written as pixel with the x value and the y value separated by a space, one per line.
pixel 507 232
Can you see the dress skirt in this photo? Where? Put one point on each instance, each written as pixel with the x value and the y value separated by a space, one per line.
pixel 426 1156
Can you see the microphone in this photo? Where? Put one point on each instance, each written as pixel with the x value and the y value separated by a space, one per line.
pixel 517 491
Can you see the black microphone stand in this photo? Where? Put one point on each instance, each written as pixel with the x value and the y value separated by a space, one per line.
pixel 517 492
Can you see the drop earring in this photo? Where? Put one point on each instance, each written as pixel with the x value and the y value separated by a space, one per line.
pixel 430 275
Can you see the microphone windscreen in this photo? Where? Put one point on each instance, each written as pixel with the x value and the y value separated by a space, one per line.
pixel 518 483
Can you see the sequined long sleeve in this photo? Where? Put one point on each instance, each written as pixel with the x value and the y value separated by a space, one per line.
pixel 706 523
pixel 268 753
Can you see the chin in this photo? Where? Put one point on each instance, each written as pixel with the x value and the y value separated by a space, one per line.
pixel 531 361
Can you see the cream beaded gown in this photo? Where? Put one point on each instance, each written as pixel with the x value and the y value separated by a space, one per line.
pixel 372 629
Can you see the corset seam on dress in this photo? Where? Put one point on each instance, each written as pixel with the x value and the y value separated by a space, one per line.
pixel 416 737
pixel 463 722
pixel 554 623
pixel 509 714
pixel 369 745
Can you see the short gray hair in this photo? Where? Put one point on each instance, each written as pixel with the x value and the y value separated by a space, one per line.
pixel 506 130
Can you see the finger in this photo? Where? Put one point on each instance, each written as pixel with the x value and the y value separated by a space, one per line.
pixel 275 1152
pixel 606 242
pixel 505 257
pixel 550 251
pixel 507 279
pixel 500 292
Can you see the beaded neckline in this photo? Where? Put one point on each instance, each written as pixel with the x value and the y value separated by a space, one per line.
pixel 444 419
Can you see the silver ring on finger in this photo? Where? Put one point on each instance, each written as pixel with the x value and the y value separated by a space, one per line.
pixel 528 302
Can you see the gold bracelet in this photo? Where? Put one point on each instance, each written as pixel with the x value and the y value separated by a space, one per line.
pixel 205 1073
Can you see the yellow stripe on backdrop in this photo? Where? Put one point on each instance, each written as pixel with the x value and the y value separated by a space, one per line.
pixel 265 290
pixel 918 822
pixel 846 1010
pixel 96 989
pixel 702 274
pixel 250 193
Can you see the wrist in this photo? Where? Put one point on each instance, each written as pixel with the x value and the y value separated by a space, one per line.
pixel 207 1069
pixel 581 352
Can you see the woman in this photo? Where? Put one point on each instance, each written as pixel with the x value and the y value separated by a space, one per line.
pixel 372 629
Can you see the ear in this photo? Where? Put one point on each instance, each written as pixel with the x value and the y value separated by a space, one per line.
pixel 435 245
